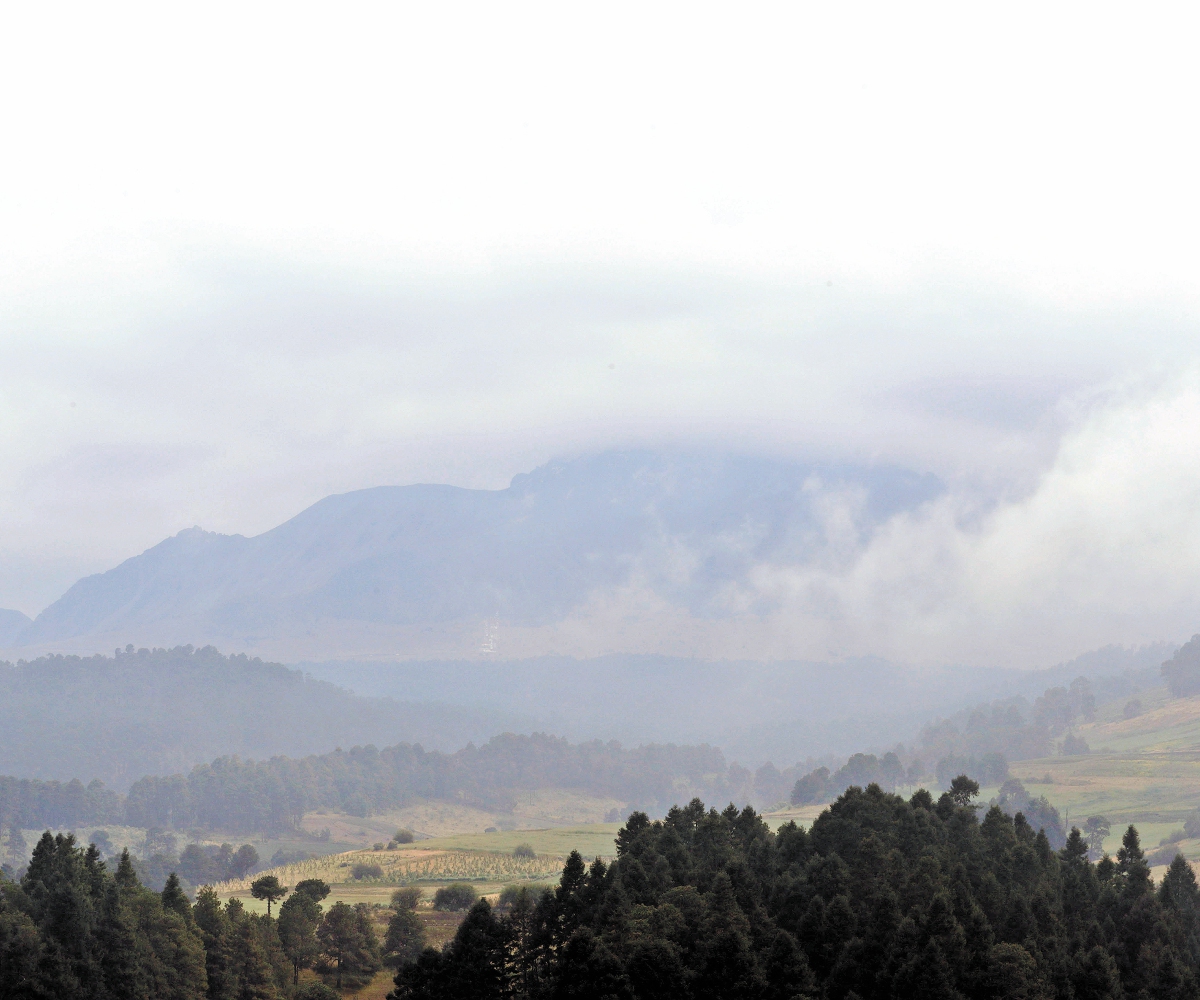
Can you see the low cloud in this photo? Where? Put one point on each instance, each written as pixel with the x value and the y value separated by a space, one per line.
pixel 1104 549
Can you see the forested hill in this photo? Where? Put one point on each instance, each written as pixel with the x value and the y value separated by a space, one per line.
pixel 165 710
pixel 271 796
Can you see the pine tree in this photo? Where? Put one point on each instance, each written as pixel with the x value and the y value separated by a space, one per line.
pixel 1180 897
pixel 174 899
pixel 299 918
pixel 126 876
pixel 349 942
pixel 269 888
pixel 1131 863
pixel 255 978
pixel 405 938
pixel 476 958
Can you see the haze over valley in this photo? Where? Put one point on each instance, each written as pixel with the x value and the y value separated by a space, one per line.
pixel 642 503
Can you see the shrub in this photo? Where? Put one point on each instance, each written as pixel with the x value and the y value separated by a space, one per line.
pixel 316 991
pixel 1191 825
pixel 1075 746
pixel 524 851
pixel 406 898
pixel 1133 708
pixel 456 897
pixel 1163 856
pixel 363 870
pixel 510 895
pixel 403 837
pixel 377 847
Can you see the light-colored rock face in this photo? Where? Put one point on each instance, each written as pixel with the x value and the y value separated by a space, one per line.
pixel 621 552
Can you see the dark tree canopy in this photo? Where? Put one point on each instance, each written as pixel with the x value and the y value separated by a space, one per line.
pixel 883 899
pixel 349 944
pixel 269 888
pixel 299 918
pixel 456 896
pixel 314 888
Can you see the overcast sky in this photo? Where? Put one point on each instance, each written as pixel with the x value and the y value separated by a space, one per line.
pixel 254 254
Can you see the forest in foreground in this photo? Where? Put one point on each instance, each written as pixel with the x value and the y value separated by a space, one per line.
pixel 882 897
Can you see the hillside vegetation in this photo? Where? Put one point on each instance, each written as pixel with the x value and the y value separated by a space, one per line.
pixel 162 711
pixel 274 795
pixel 882 898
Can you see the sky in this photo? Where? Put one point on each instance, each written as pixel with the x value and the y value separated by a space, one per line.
pixel 254 254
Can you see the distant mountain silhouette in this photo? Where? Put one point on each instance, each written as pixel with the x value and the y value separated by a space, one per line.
pixel 685 526
pixel 12 624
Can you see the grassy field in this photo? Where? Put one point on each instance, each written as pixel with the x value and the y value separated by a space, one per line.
pixel 531 811
pixel 1144 770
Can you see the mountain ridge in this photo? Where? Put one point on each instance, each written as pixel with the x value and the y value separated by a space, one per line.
pixel 381 567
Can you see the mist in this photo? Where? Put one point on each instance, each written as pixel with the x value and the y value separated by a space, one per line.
pixel 647 499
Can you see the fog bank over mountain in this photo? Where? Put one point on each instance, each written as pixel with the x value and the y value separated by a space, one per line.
pixel 701 554
pixel 663 545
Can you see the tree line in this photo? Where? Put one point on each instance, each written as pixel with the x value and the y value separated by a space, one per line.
pixel 162 711
pixel 272 795
pixel 889 772
pixel 71 928
pixel 978 742
pixel 883 898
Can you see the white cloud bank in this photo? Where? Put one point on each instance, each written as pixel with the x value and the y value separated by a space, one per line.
pixel 1105 549
pixel 269 252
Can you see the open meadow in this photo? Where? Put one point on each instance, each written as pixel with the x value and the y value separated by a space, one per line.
pixel 1143 770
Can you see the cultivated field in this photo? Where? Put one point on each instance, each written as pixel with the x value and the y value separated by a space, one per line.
pixel 485 860
pixel 413 867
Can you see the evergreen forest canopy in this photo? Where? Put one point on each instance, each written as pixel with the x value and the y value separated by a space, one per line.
pixel 73 928
pixel 882 898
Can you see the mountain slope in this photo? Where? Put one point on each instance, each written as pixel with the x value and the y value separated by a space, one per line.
pixel 397 561
pixel 12 624
pixel 162 711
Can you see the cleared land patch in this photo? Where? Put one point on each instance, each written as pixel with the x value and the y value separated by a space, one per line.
pixel 412 867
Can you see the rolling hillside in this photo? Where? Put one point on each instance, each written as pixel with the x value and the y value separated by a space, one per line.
pixel 1143 770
